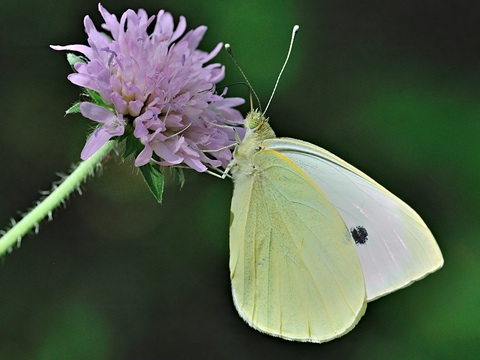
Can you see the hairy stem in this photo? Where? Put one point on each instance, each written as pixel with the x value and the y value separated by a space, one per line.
pixel 58 195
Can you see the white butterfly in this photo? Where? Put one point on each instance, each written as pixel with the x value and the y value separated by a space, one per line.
pixel 313 239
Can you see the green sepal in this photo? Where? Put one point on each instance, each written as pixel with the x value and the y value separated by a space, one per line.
pixel 132 145
pixel 181 176
pixel 97 99
pixel 153 175
pixel 74 109
pixel 90 96
pixel 73 59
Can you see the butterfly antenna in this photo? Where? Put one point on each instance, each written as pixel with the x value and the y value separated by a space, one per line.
pixel 229 50
pixel 294 31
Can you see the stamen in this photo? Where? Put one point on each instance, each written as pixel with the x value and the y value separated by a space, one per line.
pixel 113 55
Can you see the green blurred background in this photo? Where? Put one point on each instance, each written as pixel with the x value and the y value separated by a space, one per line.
pixel 391 86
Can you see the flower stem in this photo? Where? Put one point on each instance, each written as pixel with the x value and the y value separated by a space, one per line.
pixel 56 197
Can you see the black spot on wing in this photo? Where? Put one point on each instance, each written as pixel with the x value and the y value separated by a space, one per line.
pixel 359 235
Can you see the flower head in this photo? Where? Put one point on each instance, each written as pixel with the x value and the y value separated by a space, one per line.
pixel 159 84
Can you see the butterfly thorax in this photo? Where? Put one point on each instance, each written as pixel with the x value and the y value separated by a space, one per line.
pixel 257 129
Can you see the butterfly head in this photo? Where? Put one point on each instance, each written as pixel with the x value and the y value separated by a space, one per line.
pixel 255 119
pixel 257 125
pixel 257 129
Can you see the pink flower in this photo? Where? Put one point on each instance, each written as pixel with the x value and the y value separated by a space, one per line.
pixel 159 84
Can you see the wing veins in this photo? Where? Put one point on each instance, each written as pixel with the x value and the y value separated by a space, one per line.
pixel 284 221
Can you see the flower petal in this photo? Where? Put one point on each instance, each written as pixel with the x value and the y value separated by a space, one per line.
pixel 95 142
pixel 144 156
pixel 95 112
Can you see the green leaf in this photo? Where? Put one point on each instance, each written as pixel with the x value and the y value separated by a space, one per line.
pixel 74 109
pixel 154 178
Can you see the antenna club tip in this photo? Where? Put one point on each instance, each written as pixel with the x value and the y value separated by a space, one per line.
pixel 296 28
pixel 226 46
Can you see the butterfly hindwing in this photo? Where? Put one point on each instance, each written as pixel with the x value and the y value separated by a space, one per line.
pixel 393 243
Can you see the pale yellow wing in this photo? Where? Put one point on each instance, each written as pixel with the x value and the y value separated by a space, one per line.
pixel 293 265
pixel 394 245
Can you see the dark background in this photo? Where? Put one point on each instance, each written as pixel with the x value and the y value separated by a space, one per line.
pixel 391 86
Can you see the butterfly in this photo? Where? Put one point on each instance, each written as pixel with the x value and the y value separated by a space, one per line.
pixel 313 239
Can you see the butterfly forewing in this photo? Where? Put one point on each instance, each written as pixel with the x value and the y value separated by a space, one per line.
pixel 393 243
pixel 293 264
